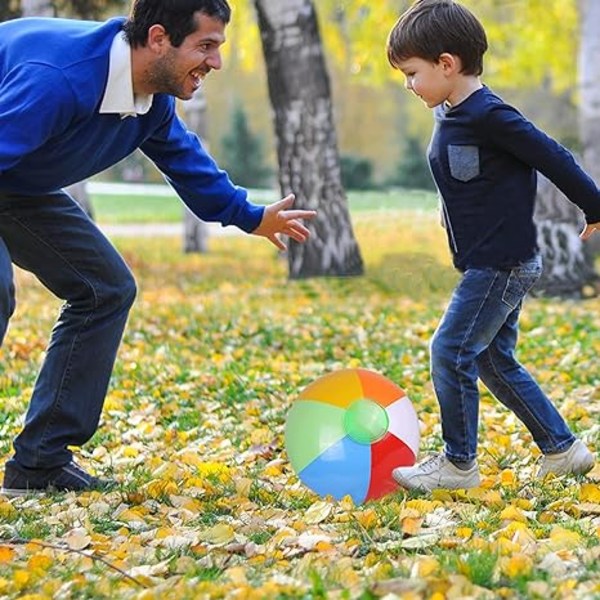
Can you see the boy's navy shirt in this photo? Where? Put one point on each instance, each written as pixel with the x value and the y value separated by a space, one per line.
pixel 484 156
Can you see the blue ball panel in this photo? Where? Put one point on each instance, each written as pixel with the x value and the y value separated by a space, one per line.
pixel 343 469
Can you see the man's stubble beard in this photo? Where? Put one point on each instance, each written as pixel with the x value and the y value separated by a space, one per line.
pixel 162 77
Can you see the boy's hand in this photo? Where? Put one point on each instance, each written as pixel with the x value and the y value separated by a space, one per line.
pixel 590 228
pixel 278 219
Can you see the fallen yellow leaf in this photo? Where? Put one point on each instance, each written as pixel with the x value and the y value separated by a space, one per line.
pixel 318 512
pixel 6 554
pixel 411 526
pixel 516 566
pixel 590 493
pixel 219 534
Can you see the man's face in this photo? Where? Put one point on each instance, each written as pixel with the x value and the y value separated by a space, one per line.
pixel 179 71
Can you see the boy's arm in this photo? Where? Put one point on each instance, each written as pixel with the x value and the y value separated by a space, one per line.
pixel 509 130
pixel 589 230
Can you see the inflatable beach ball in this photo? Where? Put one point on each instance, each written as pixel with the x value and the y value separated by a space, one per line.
pixel 346 432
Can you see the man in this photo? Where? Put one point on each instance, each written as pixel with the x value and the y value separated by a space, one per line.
pixel 75 98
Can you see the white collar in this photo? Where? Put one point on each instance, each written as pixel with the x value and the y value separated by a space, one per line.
pixel 118 95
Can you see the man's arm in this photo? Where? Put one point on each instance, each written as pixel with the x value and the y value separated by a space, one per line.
pixel 191 171
pixel 208 191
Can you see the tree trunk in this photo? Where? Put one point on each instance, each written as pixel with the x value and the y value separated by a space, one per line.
pixel 37 8
pixel 195 231
pixel 307 151
pixel 589 90
pixel 568 263
pixel 78 191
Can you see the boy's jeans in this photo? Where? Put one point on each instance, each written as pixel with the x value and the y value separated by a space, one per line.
pixel 51 237
pixel 477 338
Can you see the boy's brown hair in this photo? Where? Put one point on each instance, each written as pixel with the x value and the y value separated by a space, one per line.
pixel 430 28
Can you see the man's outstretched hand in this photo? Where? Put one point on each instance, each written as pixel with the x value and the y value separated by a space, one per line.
pixel 279 219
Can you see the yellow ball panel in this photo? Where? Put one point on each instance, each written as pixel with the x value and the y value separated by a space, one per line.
pixel 340 388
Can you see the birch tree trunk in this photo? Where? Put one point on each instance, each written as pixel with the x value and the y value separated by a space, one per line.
pixel 589 91
pixel 195 231
pixel 307 151
pixel 568 262
pixel 37 8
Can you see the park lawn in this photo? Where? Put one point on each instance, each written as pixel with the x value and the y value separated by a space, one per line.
pixel 119 208
pixel 217 348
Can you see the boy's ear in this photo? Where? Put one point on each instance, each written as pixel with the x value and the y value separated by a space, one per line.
pixel 449 62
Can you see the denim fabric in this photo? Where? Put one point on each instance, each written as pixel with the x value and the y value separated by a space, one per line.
pixel 476 338
pixel 52 237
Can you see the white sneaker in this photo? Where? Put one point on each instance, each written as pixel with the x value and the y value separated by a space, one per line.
pixel 577 460
pixel 436 472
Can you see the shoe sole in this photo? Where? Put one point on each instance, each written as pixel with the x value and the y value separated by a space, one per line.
pixel 18 493
pixel 408 485
pixel 586 468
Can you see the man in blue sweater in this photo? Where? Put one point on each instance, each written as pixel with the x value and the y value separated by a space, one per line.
pixel 484 155
pixel 75 98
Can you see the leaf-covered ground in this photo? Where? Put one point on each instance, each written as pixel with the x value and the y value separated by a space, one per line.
pixel 216 350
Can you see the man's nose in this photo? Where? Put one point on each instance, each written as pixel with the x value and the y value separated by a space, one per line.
pixel 214 61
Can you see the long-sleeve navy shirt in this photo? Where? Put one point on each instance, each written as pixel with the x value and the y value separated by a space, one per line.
pixel 484 156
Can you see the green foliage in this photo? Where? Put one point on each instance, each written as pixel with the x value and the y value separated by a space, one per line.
pixel 148 207
pixel 478 566
pixel 357 172
pixel 243 156
pixel 412 170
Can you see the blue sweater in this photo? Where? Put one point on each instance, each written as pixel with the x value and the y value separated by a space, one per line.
pixel 484 156
pixel 53 74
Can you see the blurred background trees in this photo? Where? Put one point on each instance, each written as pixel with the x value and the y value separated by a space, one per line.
pixel 532 62
pixel 244 152
pixel 543 58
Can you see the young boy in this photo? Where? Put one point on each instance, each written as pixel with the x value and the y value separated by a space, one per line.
pixel 483 156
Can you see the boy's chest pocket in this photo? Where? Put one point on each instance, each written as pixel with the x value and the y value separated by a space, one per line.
pixel 463 162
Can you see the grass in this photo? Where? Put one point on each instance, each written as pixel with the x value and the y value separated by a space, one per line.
pixel 217 348
pixel 152 207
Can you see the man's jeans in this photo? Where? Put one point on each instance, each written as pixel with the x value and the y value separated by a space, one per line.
pixel 477 338
pixel 52 237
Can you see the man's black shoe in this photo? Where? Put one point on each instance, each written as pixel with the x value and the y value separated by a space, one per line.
pixel 21 481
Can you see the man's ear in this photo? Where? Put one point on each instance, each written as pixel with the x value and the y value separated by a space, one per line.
pixel 450 63
pixel 158 39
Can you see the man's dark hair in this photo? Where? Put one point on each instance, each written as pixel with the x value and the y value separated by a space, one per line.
pixel 430 28
pixel 176 16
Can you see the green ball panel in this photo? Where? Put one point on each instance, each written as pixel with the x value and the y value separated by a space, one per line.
pixel 310 429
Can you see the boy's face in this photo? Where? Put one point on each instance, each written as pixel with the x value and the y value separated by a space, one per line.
pixel 428 80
